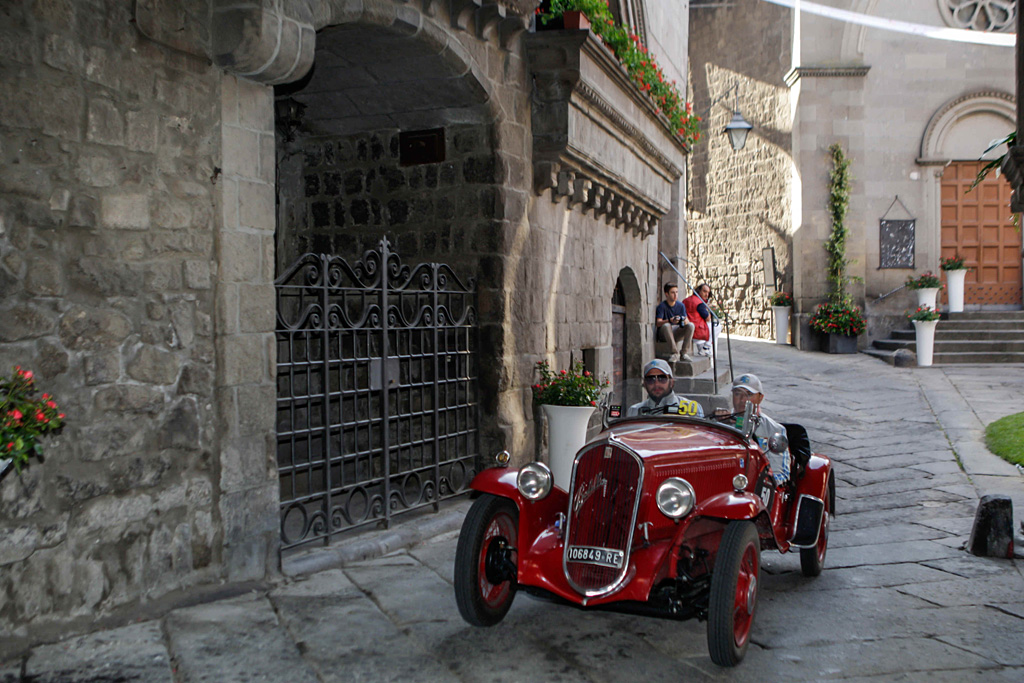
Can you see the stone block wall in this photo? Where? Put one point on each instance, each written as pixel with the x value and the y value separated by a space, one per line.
pixel 739 202
pixel 341 195
pixel 107 206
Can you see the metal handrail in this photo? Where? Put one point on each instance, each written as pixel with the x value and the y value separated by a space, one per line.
pixel 725 317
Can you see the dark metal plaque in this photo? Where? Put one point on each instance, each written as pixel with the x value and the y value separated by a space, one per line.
pixel 896 243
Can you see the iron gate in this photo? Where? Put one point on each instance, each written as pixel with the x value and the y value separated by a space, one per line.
pixel 376 391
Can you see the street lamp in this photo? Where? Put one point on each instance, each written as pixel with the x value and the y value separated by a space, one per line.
pixel 738 128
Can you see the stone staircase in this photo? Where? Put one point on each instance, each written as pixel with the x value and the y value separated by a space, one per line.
pixel 970 337
pixel 696 379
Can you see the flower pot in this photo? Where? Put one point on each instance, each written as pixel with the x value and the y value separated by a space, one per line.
pixel 842 343
pixel 955 289
pixel 575 20
pixel 927 296
pixel 781 323
pixel 567 432
pixel 925 330
pixel 5 464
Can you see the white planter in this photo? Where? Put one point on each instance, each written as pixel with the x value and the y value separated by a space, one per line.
pixel 925 330
pixel 927 296
pixel 4 464
pixel 567 432
pixel 781 323
pixel 955 289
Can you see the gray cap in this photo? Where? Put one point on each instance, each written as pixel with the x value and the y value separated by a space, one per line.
pixel 658 364
pixel 749 382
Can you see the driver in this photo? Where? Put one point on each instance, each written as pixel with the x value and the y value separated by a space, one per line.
pixel 747 389
pixel 659 382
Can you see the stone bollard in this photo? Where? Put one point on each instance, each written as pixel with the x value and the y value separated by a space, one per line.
pixel 992 533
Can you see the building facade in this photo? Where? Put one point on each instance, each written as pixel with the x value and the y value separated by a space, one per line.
pixel 913 114
pixel 470 191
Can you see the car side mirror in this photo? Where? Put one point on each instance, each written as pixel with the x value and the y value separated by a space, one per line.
pixel 778 443
pixel 748 420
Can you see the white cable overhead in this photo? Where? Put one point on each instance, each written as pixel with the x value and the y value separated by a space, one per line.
pixel 937 32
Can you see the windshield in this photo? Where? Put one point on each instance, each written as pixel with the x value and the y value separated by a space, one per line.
pixel 630 399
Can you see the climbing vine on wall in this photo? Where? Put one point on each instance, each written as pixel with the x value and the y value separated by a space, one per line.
pixel 838 206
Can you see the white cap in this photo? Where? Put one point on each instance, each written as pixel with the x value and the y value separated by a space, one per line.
pixel 659 364
pixel 749 382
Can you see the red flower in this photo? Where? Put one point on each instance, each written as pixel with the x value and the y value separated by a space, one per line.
pixel 16 414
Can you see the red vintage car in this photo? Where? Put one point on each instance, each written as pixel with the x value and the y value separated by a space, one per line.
pixel 664 515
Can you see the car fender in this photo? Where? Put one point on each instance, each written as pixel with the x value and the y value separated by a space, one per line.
pixel 499 481
pixel 814 481
pixel 731 505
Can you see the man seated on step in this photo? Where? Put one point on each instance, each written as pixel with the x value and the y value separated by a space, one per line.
pixel 659 383
pixel 671 325
pixel 747 389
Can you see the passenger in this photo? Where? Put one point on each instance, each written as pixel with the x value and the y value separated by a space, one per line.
pixel 747 389
pixel 659 383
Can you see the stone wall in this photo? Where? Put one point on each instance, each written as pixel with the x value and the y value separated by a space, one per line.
pixel 342 195
pixel 739 202
pixel 109 192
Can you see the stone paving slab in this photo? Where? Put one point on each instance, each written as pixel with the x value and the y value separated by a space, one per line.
pixel 131 653
pixel 994 590
pixel 377 650
pixel 896 533
pixel 238 640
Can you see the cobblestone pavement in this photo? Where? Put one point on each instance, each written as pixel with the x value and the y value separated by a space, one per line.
pixel 899 599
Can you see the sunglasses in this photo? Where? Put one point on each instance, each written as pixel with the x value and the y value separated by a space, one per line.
pixel 656 378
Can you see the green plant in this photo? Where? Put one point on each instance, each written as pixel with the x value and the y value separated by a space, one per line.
pixel 781 298
pixel 1010 140
pixel 1005 438
pixel 24 418
pixel 927 280
pixel 924 314
pixel 572 387
pixel 953 263
pixel 641 66
pixel 841 318
pixel 838 206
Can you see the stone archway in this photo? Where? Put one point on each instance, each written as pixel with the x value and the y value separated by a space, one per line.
pixel 395 133
pixel 974 224
pixel 633 351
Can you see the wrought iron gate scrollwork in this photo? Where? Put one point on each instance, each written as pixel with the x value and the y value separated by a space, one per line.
pixel 376 391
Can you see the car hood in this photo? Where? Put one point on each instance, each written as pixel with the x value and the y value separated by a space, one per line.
pixel 650 439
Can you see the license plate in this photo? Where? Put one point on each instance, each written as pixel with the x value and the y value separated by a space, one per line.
pixel 605 557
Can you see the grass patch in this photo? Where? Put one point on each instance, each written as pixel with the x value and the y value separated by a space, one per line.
pixel 1005 438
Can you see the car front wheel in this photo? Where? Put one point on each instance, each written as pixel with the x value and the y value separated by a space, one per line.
pixel 735 582
pixel 485 560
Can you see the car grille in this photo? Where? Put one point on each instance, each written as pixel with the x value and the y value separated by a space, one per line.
pixel 603 499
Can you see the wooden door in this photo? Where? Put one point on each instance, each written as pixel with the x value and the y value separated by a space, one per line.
pixel 977 225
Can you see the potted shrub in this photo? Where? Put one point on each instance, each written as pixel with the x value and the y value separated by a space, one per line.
pixel 24 420
pixel 927 286
pixel 842 322
pixel 956 274
pixel 782 306
pixel 568 398
pixel 925 319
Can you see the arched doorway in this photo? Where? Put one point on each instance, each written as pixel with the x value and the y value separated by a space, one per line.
pixel 387 179
pixel 975 224
pixel 618 340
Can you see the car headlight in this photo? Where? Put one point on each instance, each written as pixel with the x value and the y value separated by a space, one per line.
pixel 675 497
pixel 534 481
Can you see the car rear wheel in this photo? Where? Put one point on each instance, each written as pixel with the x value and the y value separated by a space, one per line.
pixel 735 582
pixel 812 560
pixel 485 560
